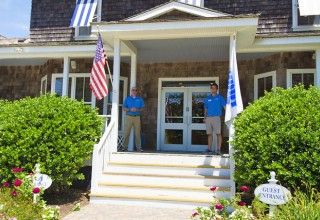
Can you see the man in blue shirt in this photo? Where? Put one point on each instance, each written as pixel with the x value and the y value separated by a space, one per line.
pixel 133 105
pixel 213 105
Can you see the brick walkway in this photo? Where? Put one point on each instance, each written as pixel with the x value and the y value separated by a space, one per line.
pixel 117 212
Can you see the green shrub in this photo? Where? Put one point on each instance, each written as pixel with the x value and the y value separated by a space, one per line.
pixel 303 205
pixel 279 132
pixel 58 133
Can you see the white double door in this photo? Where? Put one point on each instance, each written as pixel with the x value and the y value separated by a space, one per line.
pixel 182 127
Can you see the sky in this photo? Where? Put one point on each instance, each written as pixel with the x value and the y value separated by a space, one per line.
pixel 15 18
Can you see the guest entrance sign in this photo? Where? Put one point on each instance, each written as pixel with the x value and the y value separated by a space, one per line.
pixel 41 180
pixel 272 193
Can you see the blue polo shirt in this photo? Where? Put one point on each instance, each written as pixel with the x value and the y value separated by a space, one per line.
pixel 131 102
pixel 214 105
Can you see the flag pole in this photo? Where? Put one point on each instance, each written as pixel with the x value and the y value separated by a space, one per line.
pixel 234 68
pixel 111 80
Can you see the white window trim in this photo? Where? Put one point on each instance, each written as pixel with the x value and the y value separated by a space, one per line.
pixel 295 25
pixel 293 71
pixel 71 75
pixel 91 36
pixel 273 74
pixel 44 79
pixel 199 3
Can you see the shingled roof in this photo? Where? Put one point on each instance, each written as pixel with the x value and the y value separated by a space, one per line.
pixel 50 19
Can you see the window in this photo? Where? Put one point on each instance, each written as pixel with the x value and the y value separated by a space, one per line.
pixel 303 23
pixel 198 3
pixel 79 89
pixel 264 82
pixel 43 89
pixel 84 32
pixel 304 76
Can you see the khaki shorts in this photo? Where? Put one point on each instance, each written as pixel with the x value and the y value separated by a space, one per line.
pixel 213 124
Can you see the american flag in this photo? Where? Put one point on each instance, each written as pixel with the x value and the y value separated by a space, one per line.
pixel 98 80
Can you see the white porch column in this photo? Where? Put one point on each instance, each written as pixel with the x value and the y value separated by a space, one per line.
pixel 65 80
pixel 133 75
pixel 115 92
pixel 133 81
pixel 318 67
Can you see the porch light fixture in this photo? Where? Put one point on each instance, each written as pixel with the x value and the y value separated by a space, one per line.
pixel 73 64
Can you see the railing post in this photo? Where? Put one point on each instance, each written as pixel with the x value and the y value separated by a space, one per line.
pixel 95 169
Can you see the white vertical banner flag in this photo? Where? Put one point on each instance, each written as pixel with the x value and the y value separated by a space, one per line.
pixel 234 101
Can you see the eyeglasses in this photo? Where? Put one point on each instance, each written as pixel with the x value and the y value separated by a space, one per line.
pixel 134 90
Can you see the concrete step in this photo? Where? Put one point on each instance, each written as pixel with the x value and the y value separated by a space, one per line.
pixel 195 180
pixel 168 190
pixel 163 179
pixel 171 169
pixel 185 202
pixel 174 159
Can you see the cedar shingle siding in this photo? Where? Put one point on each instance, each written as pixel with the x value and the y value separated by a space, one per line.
pixel 50 19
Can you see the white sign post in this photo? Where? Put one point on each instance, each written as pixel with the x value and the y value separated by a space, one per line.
pixel 272 193
pixel 41 181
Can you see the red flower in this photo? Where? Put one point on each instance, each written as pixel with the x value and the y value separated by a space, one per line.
pixel 214 188
pixel 241 203
pixel 219 206
pixel 14 193
pixel 17 170
pixel 17 182
pixel 195 214
pixel 244 188
pixel 36 190
pixel 6 185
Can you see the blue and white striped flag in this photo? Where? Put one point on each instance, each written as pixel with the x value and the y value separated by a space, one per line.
pixel 83 13
pixel 234 101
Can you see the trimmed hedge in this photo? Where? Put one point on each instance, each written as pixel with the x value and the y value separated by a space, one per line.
pixel 59 133
pixel 279 132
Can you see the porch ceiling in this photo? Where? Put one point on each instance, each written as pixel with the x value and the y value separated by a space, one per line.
pixel 184 40
pixel 186 50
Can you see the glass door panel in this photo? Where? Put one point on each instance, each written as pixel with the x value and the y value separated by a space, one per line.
pixel 173 129
pixel 174 107
pixel 182 127
pixel 197 136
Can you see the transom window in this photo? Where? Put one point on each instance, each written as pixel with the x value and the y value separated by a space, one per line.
pixel 264 82
pixel 304 76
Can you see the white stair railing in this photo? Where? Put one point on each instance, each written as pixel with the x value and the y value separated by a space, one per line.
pixel 101 155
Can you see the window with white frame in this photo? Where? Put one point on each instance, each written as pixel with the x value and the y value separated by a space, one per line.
pixel 303 76
pixel 79 89
pixel 43 89
pixel 264 82
pixel 198 3
pixel 303 23
pixel 84 32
